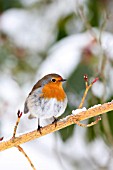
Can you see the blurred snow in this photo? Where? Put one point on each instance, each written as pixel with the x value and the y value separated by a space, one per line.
pixel 65 55
pixel 106 42
pixel 41 155
pixel 24 26
pixel 11 97
pixel 97 153
pixel 7 88
pixel 98 89
pixel 28 3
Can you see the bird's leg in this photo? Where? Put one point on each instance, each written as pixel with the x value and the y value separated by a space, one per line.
pixel 39 127
pixel 55 121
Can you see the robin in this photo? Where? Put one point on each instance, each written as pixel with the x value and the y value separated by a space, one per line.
pixel 47 99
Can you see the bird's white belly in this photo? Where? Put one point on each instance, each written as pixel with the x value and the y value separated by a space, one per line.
pixel 47 108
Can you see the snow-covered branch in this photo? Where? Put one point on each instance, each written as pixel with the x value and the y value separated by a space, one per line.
pixel 76 116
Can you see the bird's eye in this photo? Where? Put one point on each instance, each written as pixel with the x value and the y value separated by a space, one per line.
pixel 53 80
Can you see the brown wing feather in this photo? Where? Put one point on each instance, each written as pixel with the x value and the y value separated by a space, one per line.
pixel 26 110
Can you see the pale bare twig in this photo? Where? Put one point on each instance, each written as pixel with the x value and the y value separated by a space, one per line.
pixel 103 26
pixel 82 102
pixel 22 151
pixel 84 19
pixel 88 125
pixel 19 114
pixel 87 89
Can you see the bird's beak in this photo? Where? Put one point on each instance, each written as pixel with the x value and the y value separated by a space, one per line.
pixel 63 80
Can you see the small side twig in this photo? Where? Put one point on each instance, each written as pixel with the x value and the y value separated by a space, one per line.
pixel 88 86
pixel 1 138
pixel 88 125
pixel 22 151
pixel 84 19
pixel 19 114
pixel 87 89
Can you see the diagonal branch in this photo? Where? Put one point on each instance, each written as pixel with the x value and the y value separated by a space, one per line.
pixel 69 120
pixel 24 153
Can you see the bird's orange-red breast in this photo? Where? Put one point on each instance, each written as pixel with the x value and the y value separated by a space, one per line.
pixel 47 99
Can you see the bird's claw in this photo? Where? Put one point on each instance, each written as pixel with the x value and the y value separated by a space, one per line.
pixel 55 121
pixel 39 129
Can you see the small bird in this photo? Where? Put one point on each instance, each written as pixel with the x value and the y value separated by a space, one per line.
pixel 47 99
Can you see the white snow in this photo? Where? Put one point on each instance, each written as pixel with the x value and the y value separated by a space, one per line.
pixel 98 89
pixel 65 55
pixel 97 105
pixel 77 111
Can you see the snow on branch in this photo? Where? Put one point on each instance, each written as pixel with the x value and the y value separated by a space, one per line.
pixel 69 120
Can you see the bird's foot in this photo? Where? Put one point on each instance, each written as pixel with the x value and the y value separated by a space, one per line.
pixel 39 129
pixel 55 121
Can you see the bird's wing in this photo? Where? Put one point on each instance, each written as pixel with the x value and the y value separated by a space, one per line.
pixel 26 110
pixel 32 97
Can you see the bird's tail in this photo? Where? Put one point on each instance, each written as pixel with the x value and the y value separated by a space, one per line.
pixel 32 116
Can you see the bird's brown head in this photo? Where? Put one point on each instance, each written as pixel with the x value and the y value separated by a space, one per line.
pixel 50 79
pixel 53 79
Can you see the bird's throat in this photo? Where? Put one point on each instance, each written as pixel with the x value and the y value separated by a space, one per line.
pixel 53 91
